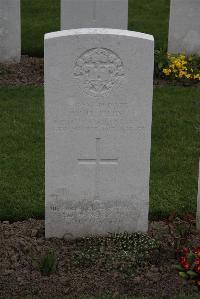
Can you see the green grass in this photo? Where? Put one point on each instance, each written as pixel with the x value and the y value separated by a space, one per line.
pixel 152 17
pixel 21 153
pixel 42 16
pixel 175 150
pixel 174 159
pixel 38 17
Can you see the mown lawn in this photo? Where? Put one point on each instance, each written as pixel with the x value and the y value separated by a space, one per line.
pixel 21 153
pixel 175 150
pixel 40 17
pixel 150 16
pixel 174 159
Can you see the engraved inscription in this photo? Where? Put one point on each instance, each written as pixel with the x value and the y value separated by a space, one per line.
pixel 92 212
pixel 98 115
pixel 98 71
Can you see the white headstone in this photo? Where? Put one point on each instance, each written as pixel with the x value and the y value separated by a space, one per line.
pixel 184 27
pixel 10 31
pixel 98 107
pixel 94 13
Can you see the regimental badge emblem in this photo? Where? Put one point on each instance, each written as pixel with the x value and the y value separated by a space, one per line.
pixel 98 71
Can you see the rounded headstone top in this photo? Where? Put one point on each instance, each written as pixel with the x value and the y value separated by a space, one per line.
pixel 98 31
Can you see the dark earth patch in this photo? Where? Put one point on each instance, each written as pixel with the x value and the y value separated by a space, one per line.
pixel 23 247
pixel 30 71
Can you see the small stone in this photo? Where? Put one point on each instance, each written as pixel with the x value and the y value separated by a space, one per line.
pixel 137 279
pixel 40 241
pixel 6 222
pixel 8 272
pixel 63 279
pixel 34 232
pixel 21 243
pixel 13 258
pixel 23 246
pixel 20 280
pixel 154 269
pixel 153 276
pixel 61 264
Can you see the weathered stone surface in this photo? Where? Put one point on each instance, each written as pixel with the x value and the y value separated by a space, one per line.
pixel 184 27
pixel 10 31
pixel 98 106
pixel 94 13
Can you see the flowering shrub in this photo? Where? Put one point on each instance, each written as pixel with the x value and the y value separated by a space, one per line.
pixel 182 67
pixel 189 265
pixel 179 229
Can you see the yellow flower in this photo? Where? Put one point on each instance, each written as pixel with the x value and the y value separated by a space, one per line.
pixel 182 56
pixel 182 74
pixel 178 65
pixel 167 72
pixel 188 76
pixel 197 76
pixel 172 66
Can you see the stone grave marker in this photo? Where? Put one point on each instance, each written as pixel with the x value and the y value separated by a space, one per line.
pixel 10 31
pixel 98 110
pixel 94 13
pixel 184 27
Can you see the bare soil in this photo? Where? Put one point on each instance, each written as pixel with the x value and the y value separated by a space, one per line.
pixel 23 245
pixel 30 71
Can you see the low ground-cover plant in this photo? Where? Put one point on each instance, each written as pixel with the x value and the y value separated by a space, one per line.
pixel 160 62
pixel 181 68
pixel 4 70
pixel 48 263
pixel 121 252
pixel 189 265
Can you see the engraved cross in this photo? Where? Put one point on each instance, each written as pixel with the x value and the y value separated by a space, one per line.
pixel 98 162
pixel 94 17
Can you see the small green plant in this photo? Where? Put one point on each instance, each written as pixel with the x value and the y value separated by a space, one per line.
pixel 4 71
pixel 189 265
pixel 48 263
pixel 161 61
pixel 179 229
